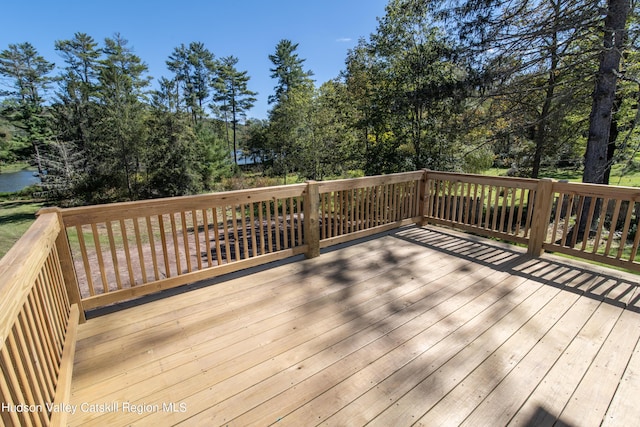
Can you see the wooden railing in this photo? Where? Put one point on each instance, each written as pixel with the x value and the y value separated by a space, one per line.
pixel 495 207
pixel 38 323
pixel 353 208
pixel 593 222
pixel 126 250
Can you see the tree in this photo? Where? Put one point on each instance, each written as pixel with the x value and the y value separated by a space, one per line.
pixel 193 68
pixel 118 150
pixel 333 146
pixel 289 124
pixel 533 57
pixel 287 70
pixel 28 72
pixel 600 145
pixel 232 92
pixel 77 86
pixel 411 87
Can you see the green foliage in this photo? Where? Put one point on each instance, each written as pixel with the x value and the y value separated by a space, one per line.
pixel 408 73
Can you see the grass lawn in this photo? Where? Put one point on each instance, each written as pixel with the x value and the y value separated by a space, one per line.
pixel 15 167
pixel 618 175
pixel 15 219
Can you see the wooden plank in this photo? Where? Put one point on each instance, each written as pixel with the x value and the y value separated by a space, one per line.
pixel 484 179
pixel 152 245
pixel 243 219
pixel 370 181
pixel 127 253
pixel 591 399
pixel 254 230
pixel 114 257
pixel 176 245
pixel 141 261
pixel 462 370
pixel 416 327
pixel 165 248
pixel 558 369
pixel 262 227
pixel 216 234
pixel 263 347
pixel 185 240
pixel 218 295
pixel 624 406
pixel 336 300
pixel 196 237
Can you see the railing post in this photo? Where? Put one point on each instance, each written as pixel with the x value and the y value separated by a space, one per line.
pixel 540 217
pixel 311 219
pixel 66 264
pixel 423 197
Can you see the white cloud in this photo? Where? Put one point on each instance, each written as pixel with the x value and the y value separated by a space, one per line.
pixel 344 39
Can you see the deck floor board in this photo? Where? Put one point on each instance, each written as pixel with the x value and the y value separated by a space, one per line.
pixel 417 326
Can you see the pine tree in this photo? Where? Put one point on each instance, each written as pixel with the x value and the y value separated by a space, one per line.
pixel 233 95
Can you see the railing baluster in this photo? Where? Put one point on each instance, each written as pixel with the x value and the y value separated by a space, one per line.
pixel 165 248
pixel 216 234
pixel 114 255
pixel 127 253
pixel 176 246
pixel 152 245
pixel 243 220
pixel 141 260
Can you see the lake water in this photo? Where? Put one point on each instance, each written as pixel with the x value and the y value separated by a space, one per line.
pixel 16 181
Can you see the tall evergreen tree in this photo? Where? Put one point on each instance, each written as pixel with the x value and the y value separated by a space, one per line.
pixel 233 94
pixel 288 70
pixel 78 84
pixel 289 120
pixel 118 150
pixel 193 67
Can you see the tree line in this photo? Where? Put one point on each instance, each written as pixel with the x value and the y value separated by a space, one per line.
pixel 456 85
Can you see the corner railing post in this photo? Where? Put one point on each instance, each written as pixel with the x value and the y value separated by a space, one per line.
pixel 540 218
pixel 311 219
pixel 66 264
pixel 424 189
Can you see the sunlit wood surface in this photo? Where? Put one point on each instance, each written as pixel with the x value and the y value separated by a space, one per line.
pixel 421 326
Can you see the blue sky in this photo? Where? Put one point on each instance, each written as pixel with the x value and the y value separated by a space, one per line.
pixel 248 29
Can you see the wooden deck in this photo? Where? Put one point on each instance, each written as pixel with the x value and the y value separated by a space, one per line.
pixel 419 326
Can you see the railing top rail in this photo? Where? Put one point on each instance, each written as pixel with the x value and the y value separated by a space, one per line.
pixel 368 181
pixel 21 265
pixel 527 183
pixel 598 190
pixel 141 208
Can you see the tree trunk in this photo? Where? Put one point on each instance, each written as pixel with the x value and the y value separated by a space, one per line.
pixel 595 162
